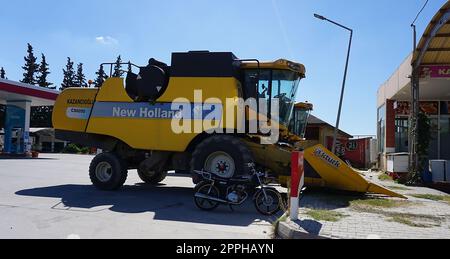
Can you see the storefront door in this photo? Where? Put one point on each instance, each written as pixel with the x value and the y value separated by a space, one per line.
pixel 445 137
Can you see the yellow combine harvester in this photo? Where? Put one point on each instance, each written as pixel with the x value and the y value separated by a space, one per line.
pixel 134 122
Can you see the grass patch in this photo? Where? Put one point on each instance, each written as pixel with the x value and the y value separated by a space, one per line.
pixel 399 188
pixel 432 197
pixel 408 222
pixel 325 215
pixel 417 221
pixel 384 177
pixel 371 204
pixel 276 224
pixel 379 206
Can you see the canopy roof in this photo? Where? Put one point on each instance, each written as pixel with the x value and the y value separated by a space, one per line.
pixel 16 91
pixel 434 46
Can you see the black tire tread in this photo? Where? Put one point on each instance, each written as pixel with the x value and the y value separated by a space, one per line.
pixel 280 201
pixel 157 178
pixel 116 162
pixel 219 140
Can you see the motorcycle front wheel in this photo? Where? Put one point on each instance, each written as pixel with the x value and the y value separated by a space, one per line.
pixel 207 189
pixel 268 204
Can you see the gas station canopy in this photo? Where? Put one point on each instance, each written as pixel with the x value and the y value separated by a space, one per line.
pixel 19 98
pixel 16 91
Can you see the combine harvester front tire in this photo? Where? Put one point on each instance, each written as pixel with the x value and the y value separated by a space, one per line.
pixel 108 172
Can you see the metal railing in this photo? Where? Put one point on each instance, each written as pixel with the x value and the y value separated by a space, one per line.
pixel 112 71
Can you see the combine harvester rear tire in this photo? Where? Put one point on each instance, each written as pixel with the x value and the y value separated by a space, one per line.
pixel 152 177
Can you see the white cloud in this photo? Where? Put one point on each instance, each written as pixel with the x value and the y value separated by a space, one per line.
pixel 106 40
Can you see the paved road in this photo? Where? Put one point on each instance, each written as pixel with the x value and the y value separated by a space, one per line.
pixel 52 198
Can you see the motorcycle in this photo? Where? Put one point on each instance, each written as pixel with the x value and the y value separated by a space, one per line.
pixel 214 190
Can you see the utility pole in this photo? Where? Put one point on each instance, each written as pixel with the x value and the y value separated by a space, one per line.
pixel 415 102
pixel 414 113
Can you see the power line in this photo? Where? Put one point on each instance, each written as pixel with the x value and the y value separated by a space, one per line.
pixel 420 12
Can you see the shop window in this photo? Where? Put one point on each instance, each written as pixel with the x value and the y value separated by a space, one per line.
pixel 46 147
pixel 401 134
pixel 381 128
pixel 59 146
pixel 2 115
pixel 445 137
pixel 312 133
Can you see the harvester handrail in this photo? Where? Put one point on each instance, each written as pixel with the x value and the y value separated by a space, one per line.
pixel 111 65
pixel 258 76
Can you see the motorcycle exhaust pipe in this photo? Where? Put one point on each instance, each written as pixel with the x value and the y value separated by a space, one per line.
pixel 203 196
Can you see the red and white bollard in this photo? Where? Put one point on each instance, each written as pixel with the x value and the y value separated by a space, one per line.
pixel 297 182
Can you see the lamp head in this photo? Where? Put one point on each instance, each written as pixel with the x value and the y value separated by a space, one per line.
pixel 320 17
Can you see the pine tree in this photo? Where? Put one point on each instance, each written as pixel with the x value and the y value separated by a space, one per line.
pixel 80 78
pixel 43 73
pixel 2 73
pixel 30 67
pixel 130 67
pixel 101 76
pixel 69 76
pixel 118 67
pixel 41 117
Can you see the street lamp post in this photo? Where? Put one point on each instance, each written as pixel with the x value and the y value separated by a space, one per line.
pixel 338 120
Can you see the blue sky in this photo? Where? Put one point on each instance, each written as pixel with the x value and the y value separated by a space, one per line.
pixel 96 31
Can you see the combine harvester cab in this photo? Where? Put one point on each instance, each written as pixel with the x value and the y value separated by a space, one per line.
pixel 324 169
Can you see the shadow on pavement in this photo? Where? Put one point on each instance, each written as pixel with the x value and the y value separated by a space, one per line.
pixel 168 203
pixel 330 199
pixel 311 226
pixel 26 158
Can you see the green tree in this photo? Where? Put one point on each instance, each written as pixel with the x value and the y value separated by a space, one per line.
pixel 2 73
pixel 423 148
pixel 80 78
pixel 43 73
pixel 30 67
pixel 101 76
pixel 69 75
pixel 118 67
pixel 41 117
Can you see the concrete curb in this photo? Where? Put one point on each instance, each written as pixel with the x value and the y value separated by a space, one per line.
pixel 291 230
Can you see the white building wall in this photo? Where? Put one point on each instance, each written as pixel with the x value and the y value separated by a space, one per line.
pixel 398 80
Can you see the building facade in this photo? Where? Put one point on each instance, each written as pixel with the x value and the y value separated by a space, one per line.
pixel 394 98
